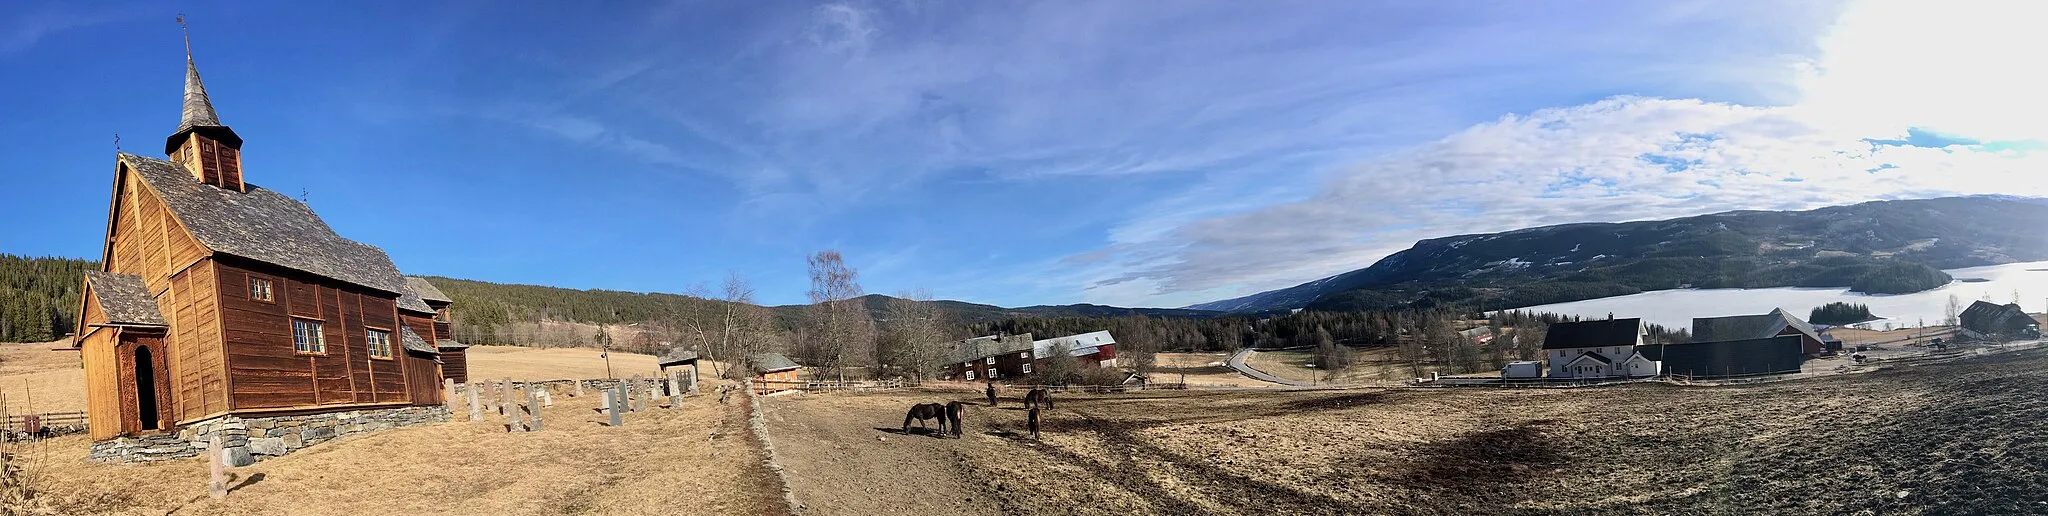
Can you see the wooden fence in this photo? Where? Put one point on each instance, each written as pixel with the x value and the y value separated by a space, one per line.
pixel 46 424
pixel 767 386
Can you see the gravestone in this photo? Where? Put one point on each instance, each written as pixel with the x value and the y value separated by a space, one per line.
pixel 533 408
pixel 579 389
pixel 625 403
pixel 476 408
pixel 448 394
pixel 612 401
pixel 217 482
pixel 693 380
pixel 505 397
pixel 547 398
pixel 606 407
pixel 675 389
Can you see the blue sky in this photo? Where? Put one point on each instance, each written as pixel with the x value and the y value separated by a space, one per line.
pixel 1012 153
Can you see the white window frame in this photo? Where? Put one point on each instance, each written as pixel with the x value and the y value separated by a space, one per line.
pixel 262 290
pixel 1027 368
pixel 380 343
pixel 970 374
pixel 991 360
pixel 308 337
pixel 992 373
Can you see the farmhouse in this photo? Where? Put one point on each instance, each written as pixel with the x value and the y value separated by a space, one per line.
pixel 991 357
pixel 1600 349
pixel 1746 327
pixel 219 301
pixel 1994 319
pixel 1093 349
pixel 1768 355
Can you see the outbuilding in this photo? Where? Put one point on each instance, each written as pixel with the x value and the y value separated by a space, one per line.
pixel 1770 355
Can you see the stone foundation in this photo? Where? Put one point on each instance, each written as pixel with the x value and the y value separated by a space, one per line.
pixel 247 440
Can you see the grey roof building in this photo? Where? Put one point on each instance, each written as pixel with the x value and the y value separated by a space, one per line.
pixel 1746 327
pixel 764 363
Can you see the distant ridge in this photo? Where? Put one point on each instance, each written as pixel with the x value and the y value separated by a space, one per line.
pixel 1826 247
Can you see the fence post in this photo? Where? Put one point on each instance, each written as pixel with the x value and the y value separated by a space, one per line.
pixel 217 481
pixel 533 408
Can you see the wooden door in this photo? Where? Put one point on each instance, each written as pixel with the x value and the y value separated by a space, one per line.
pixel 146 404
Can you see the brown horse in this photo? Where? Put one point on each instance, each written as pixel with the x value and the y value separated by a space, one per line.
pixel 953 415
pixel 923 411
pixel 1038 396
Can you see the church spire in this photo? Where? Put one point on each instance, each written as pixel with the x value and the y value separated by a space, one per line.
pixel 198 108
pixel 211 151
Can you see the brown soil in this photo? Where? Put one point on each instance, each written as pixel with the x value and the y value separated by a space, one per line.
pixel 1967 437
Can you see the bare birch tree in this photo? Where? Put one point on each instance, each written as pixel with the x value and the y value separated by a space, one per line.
pixel 840 333
pixel 918 331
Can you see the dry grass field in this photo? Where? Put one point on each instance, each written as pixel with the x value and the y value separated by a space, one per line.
pixel 697 459
pixel 35 378
pixel 1957 437
pixel 1962 437
pixel 1369 365
pixel 1201 370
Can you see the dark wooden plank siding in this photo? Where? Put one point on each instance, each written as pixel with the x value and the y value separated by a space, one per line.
pixel 267 373
pixel 455 364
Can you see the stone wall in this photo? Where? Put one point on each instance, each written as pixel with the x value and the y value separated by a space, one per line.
pixel 247 440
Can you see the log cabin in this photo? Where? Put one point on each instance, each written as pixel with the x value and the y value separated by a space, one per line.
pixel 217 298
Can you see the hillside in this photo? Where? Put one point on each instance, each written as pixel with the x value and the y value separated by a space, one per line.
pixel 1886 246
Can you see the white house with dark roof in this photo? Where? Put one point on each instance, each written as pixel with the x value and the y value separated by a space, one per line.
pixel 1601 349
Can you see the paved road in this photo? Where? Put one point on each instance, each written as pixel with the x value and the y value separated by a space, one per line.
pixel 1237 362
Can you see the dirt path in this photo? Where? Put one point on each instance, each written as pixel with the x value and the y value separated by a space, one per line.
pixel 842 456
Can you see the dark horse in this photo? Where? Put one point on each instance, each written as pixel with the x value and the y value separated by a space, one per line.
pixel 1032 420
pixel 923 411
pixel 953 416
pixel 1038 396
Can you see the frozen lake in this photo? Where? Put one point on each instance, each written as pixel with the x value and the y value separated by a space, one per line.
pixel 1677 308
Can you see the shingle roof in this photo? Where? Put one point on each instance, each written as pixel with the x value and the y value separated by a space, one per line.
pixel 410 301
pixel 413 342
pixel 426 291
pixel 980 347
pixel 265 226
pixel 448 344
pixel 1592 334
pixel 771 362
pixel 124 298
pixel 676 356
pixel 1744 327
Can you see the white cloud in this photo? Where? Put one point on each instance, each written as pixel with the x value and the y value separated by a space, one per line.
pixel 1607 161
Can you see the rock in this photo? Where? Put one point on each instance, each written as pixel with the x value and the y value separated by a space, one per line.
pixel 271 446
pixel 318 433
pixel 262 423
pixel 293 442
pixel 237 456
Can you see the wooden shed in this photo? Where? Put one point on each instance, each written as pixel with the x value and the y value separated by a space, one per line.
pixel 216 296
pixel 773 372
pixel 679 358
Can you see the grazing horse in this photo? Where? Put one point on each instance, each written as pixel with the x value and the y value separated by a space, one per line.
pixel 923 411
pixel 953 416
pixel 991 394
pixel 1032 421
pixel 1037 397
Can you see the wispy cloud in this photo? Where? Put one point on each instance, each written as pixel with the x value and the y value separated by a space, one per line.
pixel 30 25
